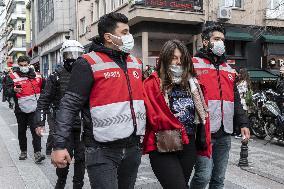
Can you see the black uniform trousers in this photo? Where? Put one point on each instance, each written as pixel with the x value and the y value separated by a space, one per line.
pixel 25 119
pixel 76 149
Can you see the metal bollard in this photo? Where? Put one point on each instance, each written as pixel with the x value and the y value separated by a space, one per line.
pixel 243 162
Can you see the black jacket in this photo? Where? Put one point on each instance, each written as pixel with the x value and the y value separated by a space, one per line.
pixel 55 87
pixel 10 86
pixel 240 116
pixel 76 98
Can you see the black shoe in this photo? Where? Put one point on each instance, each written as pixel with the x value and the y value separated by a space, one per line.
pixel 60 184
pixel 23 155
pixel 39 157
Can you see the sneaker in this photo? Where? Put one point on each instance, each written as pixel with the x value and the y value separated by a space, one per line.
pixel 23 155
pixel 39 157
pixel 238 136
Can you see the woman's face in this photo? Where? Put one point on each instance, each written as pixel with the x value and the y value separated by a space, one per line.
pixel 176 59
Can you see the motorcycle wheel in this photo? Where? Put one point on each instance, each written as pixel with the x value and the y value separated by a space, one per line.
pixel 270 129
pixel 257 128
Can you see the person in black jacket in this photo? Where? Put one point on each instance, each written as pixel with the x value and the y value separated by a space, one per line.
pixel 112 162
pixel 54 90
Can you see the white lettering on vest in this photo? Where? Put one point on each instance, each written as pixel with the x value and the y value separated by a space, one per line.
pixel 111 74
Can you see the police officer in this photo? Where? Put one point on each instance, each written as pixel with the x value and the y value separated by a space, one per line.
pixel 48 104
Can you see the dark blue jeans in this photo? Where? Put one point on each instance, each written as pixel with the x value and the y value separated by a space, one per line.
pixel 212 170
pixel 113 168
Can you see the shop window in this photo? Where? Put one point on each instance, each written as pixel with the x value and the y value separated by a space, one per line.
pixel 235 48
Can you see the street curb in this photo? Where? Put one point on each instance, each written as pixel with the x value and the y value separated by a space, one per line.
pixel 31 174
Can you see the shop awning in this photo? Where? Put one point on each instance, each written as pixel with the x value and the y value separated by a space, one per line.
pixel 273 38
pixel 261 75
pixel 239 36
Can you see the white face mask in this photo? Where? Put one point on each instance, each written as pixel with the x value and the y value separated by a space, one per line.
pixel 127 43
pixel 24 69
pixel 176 73
pixel 218 48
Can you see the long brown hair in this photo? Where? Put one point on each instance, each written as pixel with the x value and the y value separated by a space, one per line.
pixel 165 59
pixel 244 76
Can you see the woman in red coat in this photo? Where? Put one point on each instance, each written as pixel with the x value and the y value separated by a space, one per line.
pixel 173 100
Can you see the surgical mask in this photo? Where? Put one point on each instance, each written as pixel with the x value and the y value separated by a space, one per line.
pixel 24 69
pixel 218 48
pixel 176 73
pixel 127 43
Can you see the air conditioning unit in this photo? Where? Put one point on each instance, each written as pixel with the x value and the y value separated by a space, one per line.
pixel 224 13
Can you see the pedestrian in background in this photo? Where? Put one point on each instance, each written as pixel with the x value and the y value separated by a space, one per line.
pixel 172 98
pixel 244 88
pixel 108 82
pixel 50 97
pixel 24 86
pixel 217 79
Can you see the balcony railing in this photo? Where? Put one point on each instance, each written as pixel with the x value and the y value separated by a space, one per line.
pixel 17 49
pixel 186 5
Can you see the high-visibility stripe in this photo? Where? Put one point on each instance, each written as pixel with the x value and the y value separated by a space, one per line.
pixel 110 120
pixel 28 104
pixel 228 116
pixel 134 59
pixel 96 58
pixel 113 65
pixel 215 115
pixel 203 65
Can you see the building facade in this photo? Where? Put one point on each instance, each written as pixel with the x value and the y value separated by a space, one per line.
pixel 3 36
pixel 52 20
pixel 254 27
pixel 16 34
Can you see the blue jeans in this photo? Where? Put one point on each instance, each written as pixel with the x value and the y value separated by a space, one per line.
pixel 212 170
pixel 113 168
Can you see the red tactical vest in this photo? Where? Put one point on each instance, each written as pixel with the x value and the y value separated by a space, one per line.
pixel 110 102
pixel 220 102
pixel 27 99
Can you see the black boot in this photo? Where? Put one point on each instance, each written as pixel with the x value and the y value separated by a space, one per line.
pixel 60 184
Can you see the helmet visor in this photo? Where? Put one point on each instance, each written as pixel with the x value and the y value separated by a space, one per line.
pixel 72 55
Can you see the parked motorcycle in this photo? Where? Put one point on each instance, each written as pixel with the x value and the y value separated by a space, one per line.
pixel 274 120
pixel 256 117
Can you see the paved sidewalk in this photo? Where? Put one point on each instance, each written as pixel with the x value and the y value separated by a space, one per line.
pixel 25 173
pixel 266 171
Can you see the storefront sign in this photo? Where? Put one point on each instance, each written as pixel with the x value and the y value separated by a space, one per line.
pixel 175 4
pixel 275 61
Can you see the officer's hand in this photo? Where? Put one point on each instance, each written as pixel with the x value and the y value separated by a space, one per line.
pixel 60 158
pixel 245 133
pixel 39 131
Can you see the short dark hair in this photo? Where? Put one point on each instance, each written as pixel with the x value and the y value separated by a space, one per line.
pixel 207 31
pixel 23 59
pixel 108 23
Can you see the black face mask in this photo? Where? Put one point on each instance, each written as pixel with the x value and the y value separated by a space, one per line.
pixel 68 64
